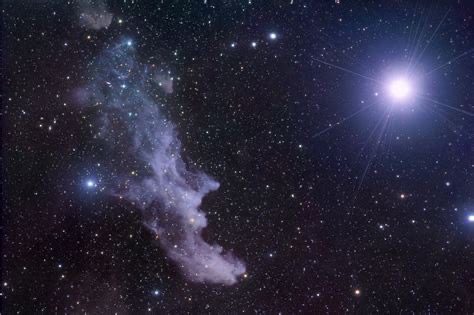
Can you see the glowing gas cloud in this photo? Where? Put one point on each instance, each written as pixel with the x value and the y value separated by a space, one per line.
pixel 147 166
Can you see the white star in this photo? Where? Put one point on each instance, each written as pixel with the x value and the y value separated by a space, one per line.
pixel 400 89
pixel 90 183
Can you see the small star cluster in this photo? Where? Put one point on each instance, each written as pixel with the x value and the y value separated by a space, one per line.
pixel 209 157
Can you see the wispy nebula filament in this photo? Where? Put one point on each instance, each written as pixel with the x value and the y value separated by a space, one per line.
pixel 147 157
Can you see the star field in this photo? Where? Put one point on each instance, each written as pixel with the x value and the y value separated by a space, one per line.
pixel 208 157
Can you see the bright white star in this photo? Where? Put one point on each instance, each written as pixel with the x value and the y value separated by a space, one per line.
pixel 470 218
pixel 90 183
pixel 400 89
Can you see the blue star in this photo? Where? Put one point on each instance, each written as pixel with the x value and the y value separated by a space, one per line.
pixel 91 183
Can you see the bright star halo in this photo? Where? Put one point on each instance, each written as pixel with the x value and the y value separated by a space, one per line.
pixel 91 183
pixel 400 89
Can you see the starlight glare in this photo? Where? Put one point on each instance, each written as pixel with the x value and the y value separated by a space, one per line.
pixel 90 183
pixel 400 89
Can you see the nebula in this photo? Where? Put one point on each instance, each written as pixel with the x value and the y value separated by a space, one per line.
pixel 94 14
pixel 148 168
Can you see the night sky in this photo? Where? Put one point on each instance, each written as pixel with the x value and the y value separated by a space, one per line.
pixel 260 157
